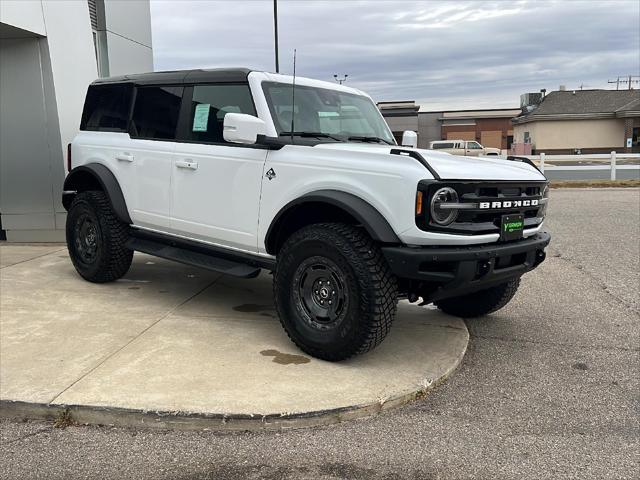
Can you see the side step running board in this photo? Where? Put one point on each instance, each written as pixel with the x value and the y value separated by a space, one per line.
pixel 189 257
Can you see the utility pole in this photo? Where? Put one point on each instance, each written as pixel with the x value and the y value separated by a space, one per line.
pixel 629 80
pixel 340 80
pixel 275 31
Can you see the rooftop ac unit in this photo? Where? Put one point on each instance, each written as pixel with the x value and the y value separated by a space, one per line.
pixel 530 99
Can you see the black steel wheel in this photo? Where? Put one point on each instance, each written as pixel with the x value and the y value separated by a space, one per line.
pixel 334 292
pixel 321 292
pixel 86 238
pixel 96 238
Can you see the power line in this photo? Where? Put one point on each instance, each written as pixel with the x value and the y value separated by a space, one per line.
pixel 628 79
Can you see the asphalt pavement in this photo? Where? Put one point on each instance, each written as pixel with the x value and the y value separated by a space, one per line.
pixel 549 388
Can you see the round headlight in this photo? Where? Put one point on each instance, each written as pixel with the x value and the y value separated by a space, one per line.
pixel 440 214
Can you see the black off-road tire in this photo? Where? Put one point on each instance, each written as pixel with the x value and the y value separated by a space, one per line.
pixel 480 303
pixel 367 289
pixel 96 238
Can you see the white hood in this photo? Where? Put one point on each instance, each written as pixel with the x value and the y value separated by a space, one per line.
pixel 452 167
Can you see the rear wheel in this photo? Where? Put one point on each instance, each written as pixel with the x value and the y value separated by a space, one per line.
pixel 480 303
pixel 96 238
pixel 334 292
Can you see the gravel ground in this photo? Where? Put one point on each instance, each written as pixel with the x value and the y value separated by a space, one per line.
pixel 548 389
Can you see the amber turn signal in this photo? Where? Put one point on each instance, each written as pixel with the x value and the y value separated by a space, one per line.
pixel 419 203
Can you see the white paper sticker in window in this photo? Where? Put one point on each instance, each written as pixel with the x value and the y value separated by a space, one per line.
pixel 201 117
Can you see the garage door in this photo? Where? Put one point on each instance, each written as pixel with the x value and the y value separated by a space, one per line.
pixel 491 138
pixel 461 135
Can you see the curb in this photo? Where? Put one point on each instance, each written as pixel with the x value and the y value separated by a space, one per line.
pixel 178 420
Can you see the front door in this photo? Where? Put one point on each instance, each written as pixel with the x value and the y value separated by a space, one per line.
pixel 216 185
pixel 473 149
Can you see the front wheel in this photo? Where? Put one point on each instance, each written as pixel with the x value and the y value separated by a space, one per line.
pixel 480 303
pixel 334 292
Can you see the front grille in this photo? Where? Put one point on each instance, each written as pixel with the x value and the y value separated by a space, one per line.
pixel 476 221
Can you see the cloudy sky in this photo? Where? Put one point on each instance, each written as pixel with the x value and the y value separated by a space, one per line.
pixel 443 54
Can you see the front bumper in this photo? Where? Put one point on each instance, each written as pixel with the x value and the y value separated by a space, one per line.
pixel 445 272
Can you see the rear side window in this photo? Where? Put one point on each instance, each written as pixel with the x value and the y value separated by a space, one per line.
pixel 209 105
pixel 155 113
pixel 437 146
pixel 106 108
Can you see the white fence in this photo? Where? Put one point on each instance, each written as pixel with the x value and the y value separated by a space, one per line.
pixel 586 162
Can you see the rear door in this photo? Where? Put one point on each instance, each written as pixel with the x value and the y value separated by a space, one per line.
pixel 216 185
pixel 146 159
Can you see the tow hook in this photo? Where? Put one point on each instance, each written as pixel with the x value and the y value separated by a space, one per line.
pixel 484 268
pixel 540 256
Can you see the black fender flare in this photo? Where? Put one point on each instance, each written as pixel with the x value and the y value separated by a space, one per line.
pixel 374 223
pixel 107 181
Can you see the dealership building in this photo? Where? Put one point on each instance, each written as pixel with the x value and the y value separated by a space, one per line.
pixel 50 50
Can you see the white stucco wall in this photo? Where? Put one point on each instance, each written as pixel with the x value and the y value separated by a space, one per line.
pixel 570 134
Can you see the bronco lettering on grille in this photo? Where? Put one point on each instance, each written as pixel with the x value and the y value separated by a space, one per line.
pixel 510 204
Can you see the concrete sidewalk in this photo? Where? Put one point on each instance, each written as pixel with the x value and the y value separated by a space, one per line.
pixel 192 347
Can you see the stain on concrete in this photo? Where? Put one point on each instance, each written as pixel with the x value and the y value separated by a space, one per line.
pixel 285 358
pixel 265 314
pixel 252 308
pixel 580 366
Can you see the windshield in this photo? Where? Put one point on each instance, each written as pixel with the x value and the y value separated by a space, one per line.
pixel 330 114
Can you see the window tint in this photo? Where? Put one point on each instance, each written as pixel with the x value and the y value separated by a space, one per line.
pixel 106 108
pixel 155 113
pixel 209 105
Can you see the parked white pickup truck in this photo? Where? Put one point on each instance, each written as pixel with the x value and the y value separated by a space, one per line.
pixel 469 148
pixel 237 171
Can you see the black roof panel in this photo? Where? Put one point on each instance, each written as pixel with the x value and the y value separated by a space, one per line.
pixel 214 75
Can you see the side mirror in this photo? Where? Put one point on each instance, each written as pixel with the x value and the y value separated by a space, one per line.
pixel 242 128
pixel 409 139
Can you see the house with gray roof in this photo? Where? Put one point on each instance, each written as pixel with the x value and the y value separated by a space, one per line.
pixel 581 121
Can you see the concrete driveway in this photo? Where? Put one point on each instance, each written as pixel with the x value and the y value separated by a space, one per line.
pixel 549 388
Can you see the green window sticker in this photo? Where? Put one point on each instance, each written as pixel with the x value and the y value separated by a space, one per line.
pixel 201 117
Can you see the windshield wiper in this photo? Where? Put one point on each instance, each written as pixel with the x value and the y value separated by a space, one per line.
pixel 369 139
pixel 309 134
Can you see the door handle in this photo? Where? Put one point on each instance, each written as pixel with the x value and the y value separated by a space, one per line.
pixel 124 157
pixel 187 164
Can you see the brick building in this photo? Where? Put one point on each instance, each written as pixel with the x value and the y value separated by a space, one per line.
pixel 492 128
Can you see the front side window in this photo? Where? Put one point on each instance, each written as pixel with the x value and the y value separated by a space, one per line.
pixel 155 113
pixel 106 108
pixel 474 146
pixel 332 114
pixel 209 105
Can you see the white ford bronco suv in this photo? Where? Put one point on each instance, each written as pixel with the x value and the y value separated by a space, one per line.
pixel 236 171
